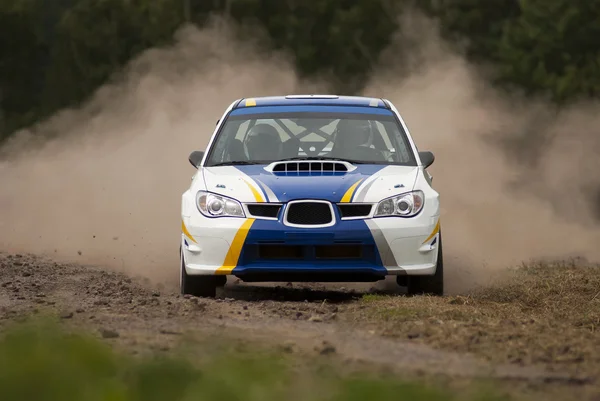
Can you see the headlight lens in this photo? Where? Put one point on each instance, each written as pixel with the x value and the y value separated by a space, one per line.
pixel 405 205
pixel 213 205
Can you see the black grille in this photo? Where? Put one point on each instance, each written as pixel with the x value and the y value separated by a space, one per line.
pixel 280 252
pixel 338 252
pixel 309 213
pixel 264 210
pixel 355 210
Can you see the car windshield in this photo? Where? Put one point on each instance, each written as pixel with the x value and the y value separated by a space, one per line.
pixel 264 138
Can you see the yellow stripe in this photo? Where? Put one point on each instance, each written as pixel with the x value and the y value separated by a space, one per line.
pixel 257 194
pixel 436 229
pixel 348 195
pixel 233 254
pixel 250 102
pixel 186 232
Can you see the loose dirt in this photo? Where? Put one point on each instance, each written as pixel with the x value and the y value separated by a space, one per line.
pixel 533 330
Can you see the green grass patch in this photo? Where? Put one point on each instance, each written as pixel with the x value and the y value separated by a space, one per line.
pixel 42 362
pixel 368 298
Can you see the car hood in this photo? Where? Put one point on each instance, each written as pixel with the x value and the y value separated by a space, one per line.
pixel 367 183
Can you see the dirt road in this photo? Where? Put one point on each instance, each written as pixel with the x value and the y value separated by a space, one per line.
pixel 351 325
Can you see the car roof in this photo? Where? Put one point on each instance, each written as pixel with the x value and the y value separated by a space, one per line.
pixel 312 100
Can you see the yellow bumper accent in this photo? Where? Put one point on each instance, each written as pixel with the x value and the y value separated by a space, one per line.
pixel 436 230
pixel 233 254
pixel 186 232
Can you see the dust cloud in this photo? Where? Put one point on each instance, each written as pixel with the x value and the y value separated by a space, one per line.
pixel 516 178
pixel 104 186
pixel 106 189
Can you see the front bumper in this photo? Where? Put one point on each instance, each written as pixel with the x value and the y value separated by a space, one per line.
pixel 378 246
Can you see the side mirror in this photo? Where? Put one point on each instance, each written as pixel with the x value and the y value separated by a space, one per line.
pixel 427 158
pixel 196 157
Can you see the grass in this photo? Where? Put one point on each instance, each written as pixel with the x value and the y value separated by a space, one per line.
pixel 543 314
pixel 40 361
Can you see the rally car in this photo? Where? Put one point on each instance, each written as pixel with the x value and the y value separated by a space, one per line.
pixel 315 188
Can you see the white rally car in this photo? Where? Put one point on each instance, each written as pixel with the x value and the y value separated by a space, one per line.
pixel 311 189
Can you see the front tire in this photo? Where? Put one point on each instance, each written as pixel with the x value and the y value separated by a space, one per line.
pixel 199 286
pixel 434 284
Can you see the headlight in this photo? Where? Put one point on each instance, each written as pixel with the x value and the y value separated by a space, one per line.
pixel 405 205
pixel 213 205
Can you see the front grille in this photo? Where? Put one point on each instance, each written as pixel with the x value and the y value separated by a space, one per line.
pixel 338 252
pixel 354 210
pixel 309 213
pixel 280 252
pixel 264 210
pixel 310 252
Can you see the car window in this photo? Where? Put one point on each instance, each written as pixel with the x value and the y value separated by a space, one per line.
pixel 401 148
pixel 268 138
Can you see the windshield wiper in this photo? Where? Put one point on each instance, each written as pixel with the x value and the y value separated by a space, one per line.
pixel 235 163
pixel 322 158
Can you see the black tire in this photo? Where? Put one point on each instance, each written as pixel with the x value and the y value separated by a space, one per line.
pixel 433 285
pixel 199 286
pixel 402 281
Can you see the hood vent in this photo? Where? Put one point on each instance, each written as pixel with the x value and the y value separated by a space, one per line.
pixel 310 166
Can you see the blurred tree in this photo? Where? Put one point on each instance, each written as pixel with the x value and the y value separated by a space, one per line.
pixel 26 32
pixel 95 38
pixel 54 54
pixel 474 25
pixel 339 38
pixel 21 49
pixel 553 48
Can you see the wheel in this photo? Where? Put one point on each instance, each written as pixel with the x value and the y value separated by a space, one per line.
pixel 199 286
pixel 433 285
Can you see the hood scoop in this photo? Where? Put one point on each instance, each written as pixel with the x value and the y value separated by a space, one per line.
pixel 312 167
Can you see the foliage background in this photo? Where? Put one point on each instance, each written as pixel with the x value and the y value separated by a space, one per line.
pixel 54 54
